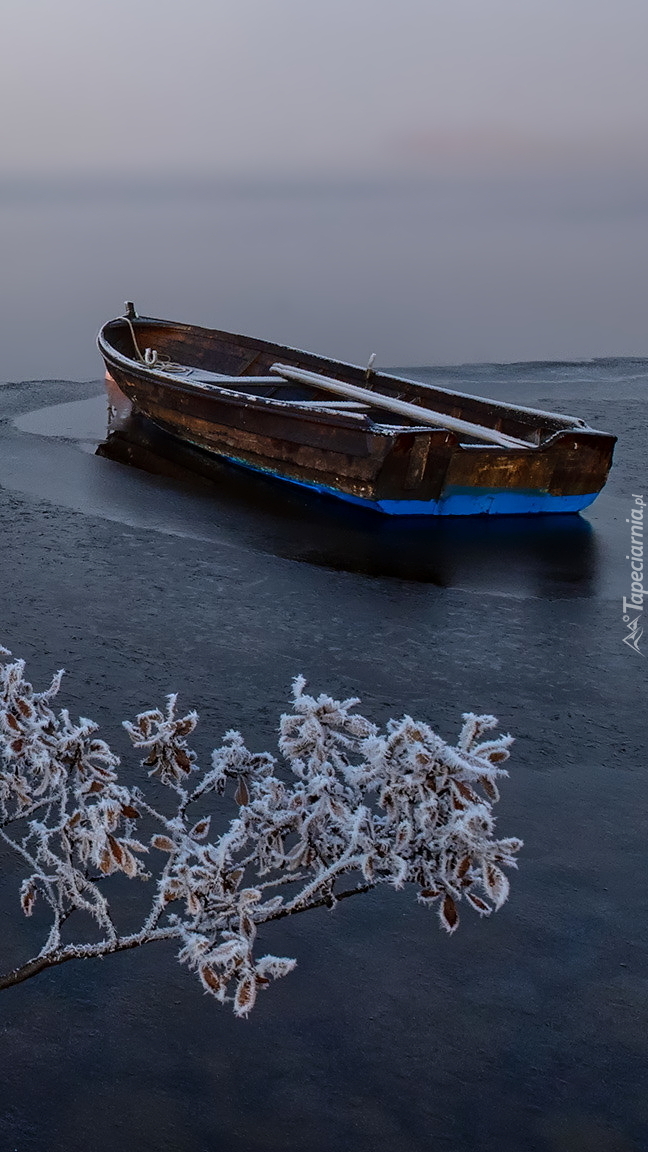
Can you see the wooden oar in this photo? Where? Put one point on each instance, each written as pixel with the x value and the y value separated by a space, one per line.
pixel 332 405
pixel 401 407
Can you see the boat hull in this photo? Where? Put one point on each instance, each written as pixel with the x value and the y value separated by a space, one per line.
pixel 391 468
pixel 462 502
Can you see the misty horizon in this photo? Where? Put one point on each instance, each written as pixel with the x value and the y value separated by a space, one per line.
pixel 439 185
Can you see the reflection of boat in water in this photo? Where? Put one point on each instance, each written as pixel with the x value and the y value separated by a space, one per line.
pixel 546 556
pixel 384 442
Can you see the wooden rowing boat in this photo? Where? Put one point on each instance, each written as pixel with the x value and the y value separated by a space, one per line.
pixel 383 441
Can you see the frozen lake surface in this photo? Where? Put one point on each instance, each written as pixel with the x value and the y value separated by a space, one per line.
pixel 525 1031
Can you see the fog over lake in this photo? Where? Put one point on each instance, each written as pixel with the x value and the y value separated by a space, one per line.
pixel 419 271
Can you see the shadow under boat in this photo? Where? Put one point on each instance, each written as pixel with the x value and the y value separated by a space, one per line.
pixel 547 556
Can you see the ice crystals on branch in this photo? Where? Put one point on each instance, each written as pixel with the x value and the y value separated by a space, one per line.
pixel 350 807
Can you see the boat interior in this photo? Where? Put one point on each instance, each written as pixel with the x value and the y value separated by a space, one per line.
pixel 205 358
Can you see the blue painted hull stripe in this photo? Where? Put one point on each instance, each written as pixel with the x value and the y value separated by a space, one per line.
pixel 460 502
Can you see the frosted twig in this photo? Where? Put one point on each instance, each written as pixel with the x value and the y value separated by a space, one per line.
pixel 395 807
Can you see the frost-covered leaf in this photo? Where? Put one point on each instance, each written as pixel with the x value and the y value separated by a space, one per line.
pixel 274 966
pixel 245 996
pixel 448 914
pixel 478 904
pixel 28 896
pixel 200 830
pixel 163 843
pixel 212 982
pixel 496 884
pixel 242 795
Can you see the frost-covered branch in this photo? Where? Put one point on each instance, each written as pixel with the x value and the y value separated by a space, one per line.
pixel 350 807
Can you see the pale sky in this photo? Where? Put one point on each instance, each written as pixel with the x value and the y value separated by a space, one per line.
pixel 306 86
pixel 445 180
